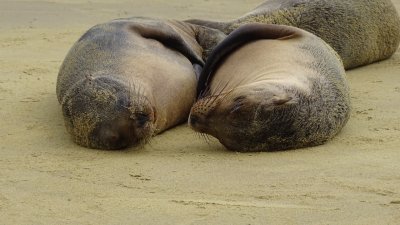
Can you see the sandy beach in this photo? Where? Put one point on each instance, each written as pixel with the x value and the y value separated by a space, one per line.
pixel 179 178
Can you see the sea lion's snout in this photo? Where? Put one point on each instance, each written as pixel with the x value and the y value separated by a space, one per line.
pixel 101 113
pixel 245 116
pixel 197 122
pixel 193 120
pixel 127 129
pixel 117 135
pixel 199 116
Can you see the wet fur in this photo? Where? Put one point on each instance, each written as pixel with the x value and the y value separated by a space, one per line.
pixel 245 116
pixel 126 80
pixel 360 31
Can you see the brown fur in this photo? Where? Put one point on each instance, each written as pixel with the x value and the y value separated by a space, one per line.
pixel 129 79
pixel 270 87
pixel 361 31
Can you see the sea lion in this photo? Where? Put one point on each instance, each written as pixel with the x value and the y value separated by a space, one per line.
pixel 271 87
pixel 128 79
pixel 360 31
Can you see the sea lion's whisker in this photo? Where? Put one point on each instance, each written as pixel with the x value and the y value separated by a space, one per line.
pixel 220 84
pixel 131 94
pixel 219 92
pixel 136 94
pixel 205 138
pixel 204 93
pixel 140 95
pixel 226 96
pixel 200 135
pixel 208 139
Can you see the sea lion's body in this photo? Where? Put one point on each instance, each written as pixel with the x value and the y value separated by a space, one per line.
pixel 129 79
pixel 360 31
pixel 270 87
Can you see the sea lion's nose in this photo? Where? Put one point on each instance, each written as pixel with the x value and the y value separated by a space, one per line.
pixel 117 134
pixel 193 119
pixel 116 139
pixel 113 138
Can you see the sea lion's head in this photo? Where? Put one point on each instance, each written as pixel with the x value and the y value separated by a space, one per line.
pixel 246 116
pixel 241 114
pixel 104 113
pixel 253 103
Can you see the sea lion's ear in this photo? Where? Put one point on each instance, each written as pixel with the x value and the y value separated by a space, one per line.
pixel 276 101
pixel 173 35
pixel 283 100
